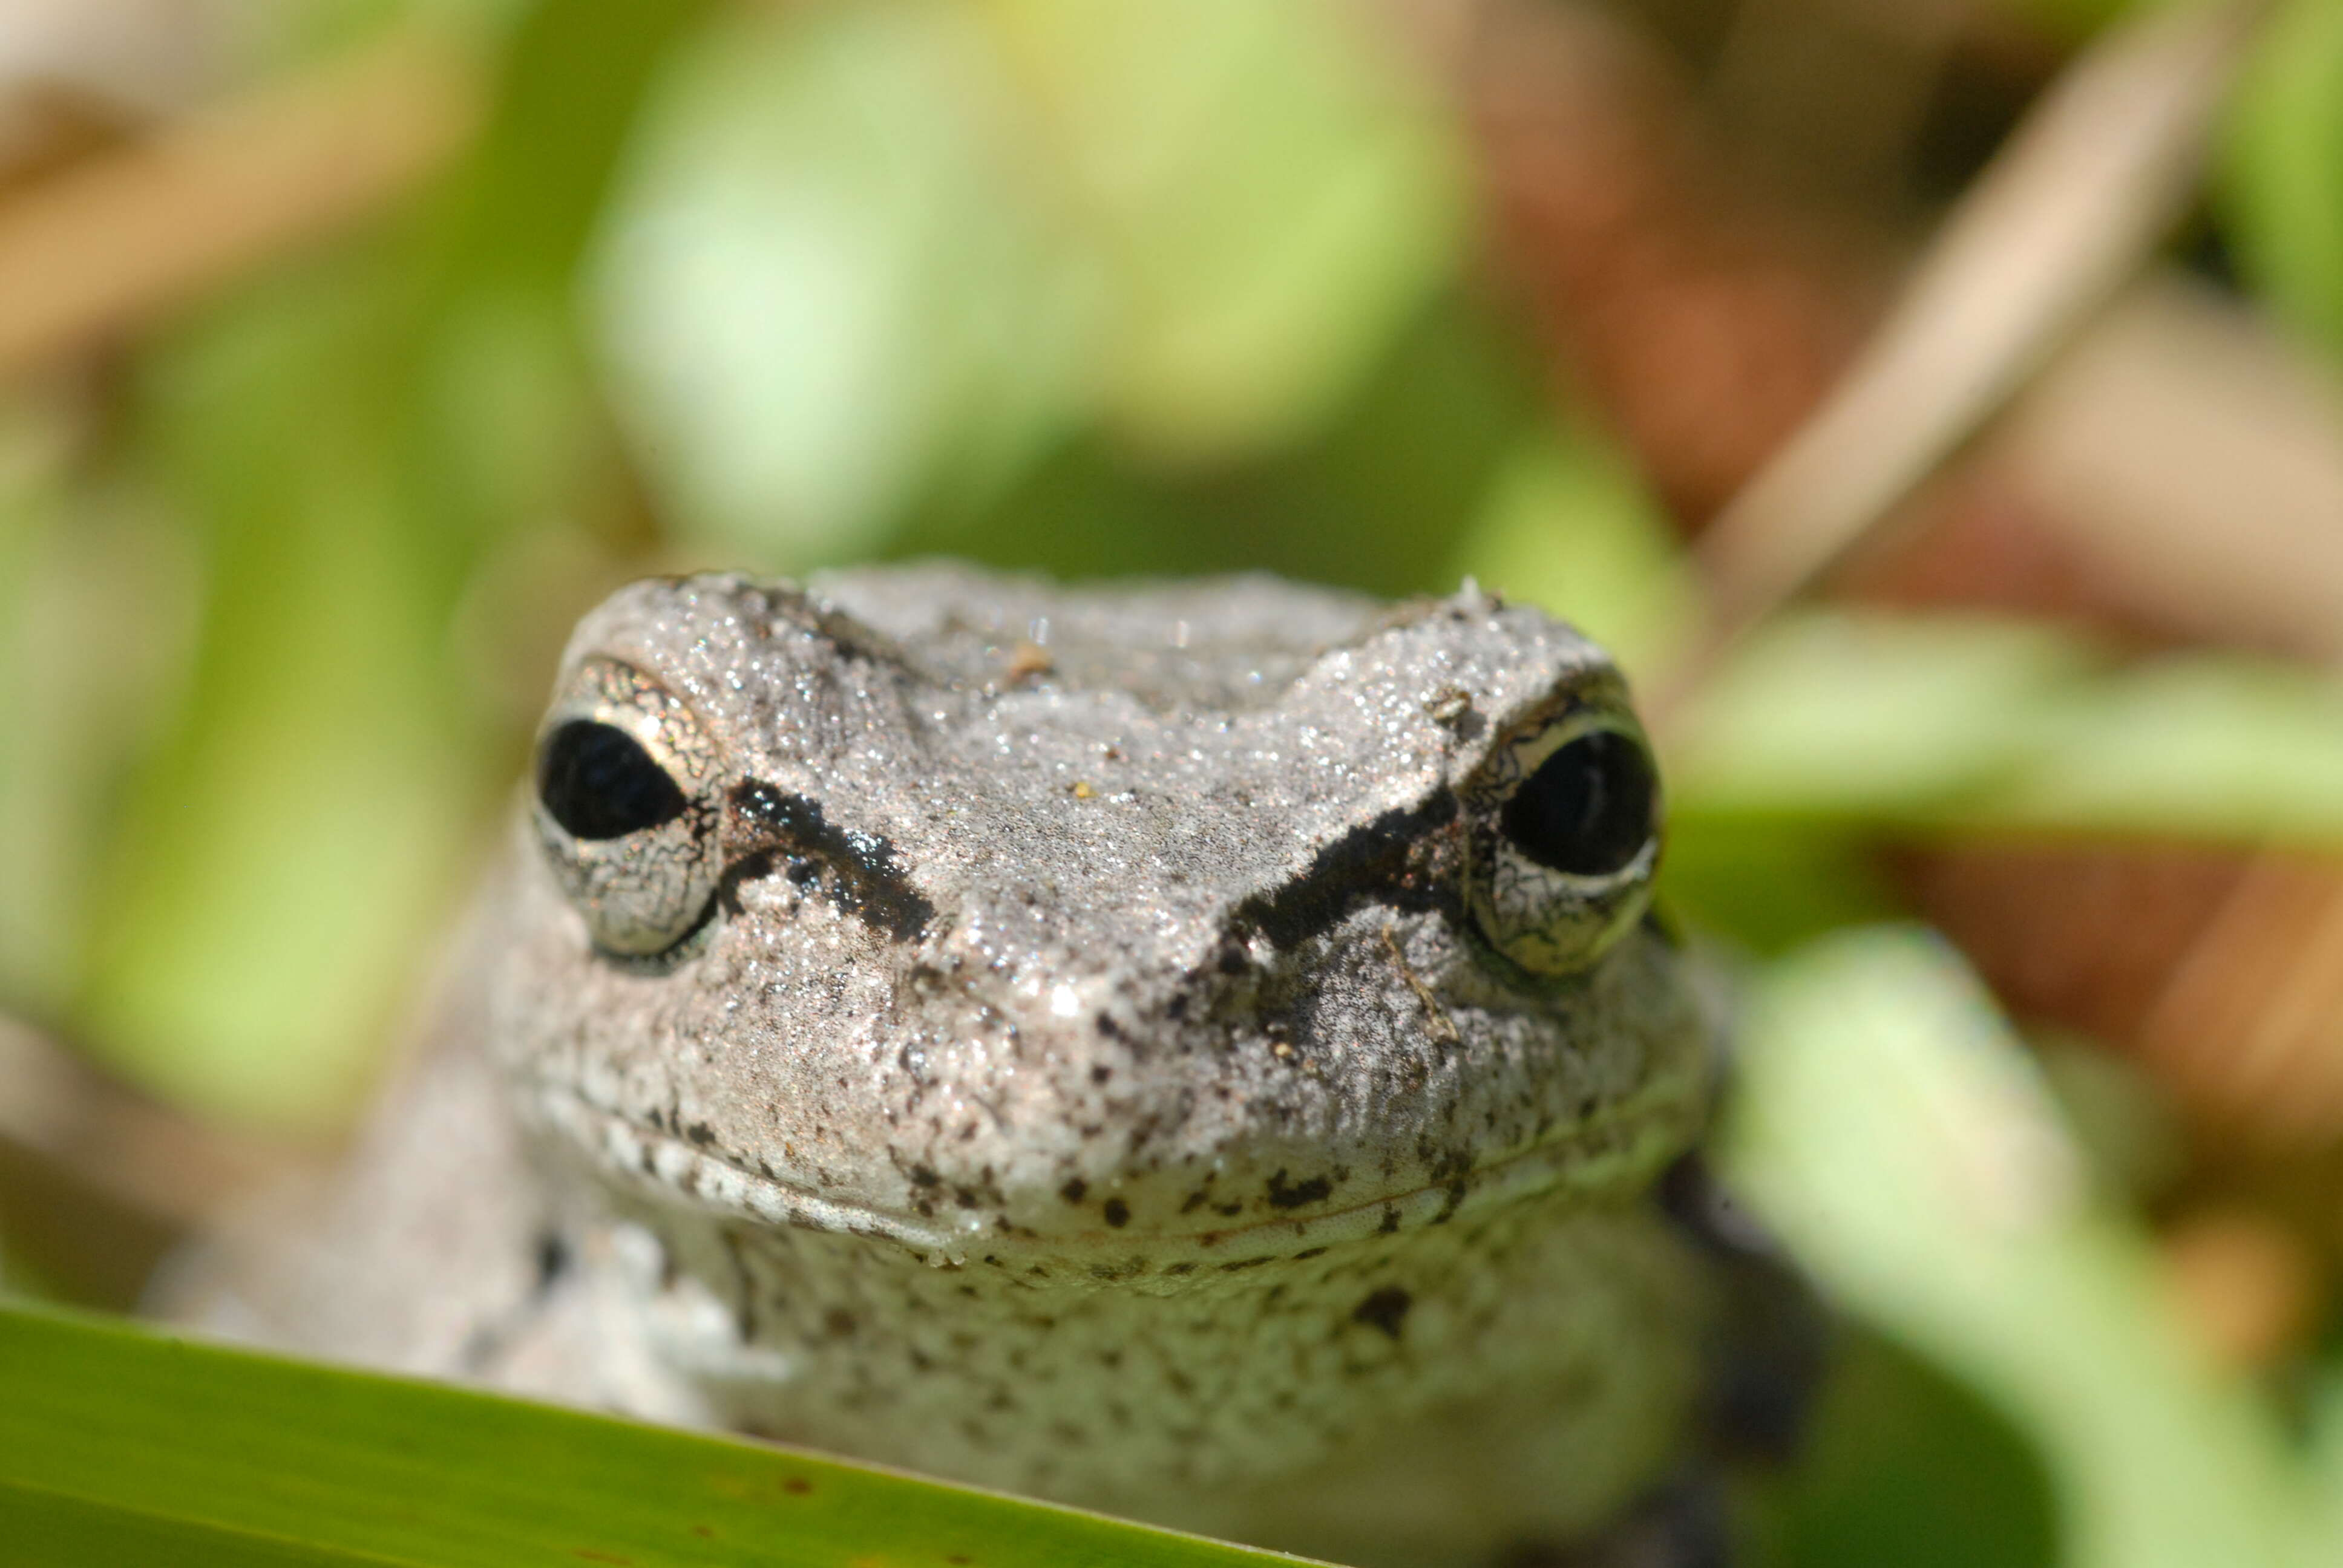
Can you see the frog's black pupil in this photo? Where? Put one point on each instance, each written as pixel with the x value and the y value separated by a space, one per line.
pixel 1587 810
pixel 598 783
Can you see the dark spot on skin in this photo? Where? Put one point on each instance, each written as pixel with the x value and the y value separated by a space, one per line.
pixel 552 1261
pixel 1101 1075
pixel 1180 1269
pixel 1369 864
pixel 1453 1200
pixel 866 878
pixel 796 1486
pixel 838 1323
pixel 1391 1222
pixel 1075 1190
pixel 1310 1253
pixel 1282 1195
pixel 1386 1309
pixel 744 1286
pixel 1245 1263
pixel 964 1198
pixel 1117 1213
pixel 923 1177
pixel 700 1133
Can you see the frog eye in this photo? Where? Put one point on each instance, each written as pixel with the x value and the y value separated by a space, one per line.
pixel 1566 835
pixel 625 776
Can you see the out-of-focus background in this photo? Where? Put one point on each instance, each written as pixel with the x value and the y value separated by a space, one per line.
pixel 1939 404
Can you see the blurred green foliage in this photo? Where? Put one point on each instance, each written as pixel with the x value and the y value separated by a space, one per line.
pixel 1904 1146
pixel 1092 287
pixel 2282 184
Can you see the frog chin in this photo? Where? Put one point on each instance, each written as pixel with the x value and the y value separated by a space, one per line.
pixel 1611 1154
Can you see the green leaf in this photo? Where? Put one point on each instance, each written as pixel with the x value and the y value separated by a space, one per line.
pixel 1947 725
pixel 826 283
pixel 332 449
pixel 2282 176
pixel 1568 527
pixel 1894 1134
pixel 1272 193
pixel 118 1446
pixel 276 860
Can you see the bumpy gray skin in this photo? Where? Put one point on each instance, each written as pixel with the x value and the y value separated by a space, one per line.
pixel 1090 1079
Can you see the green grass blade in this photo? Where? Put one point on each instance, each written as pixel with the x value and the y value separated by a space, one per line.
pixel 121 1445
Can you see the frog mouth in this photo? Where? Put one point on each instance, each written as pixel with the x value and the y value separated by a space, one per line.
pixel 1612 1153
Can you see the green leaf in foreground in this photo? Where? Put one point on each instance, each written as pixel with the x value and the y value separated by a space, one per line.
pixel 1897 1138
pixel 119 1446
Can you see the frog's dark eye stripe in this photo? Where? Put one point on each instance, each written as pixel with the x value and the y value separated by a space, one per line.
pixel 1587 808
pixel 599 782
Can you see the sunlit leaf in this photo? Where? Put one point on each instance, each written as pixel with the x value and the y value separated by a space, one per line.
pixel 96 606
pixel 277 859
pixel 2283 174
pixel 1953 725
pixel 1897 1138
pixel 1567 529
pixel 1271 192
pixel 118 1446
pixel 335 447
pixel 1834 715
pixel 825 285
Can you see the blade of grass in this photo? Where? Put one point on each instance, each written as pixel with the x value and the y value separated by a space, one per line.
pixel 122 1446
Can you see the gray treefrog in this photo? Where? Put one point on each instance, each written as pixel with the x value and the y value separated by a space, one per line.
pixel 1199 1050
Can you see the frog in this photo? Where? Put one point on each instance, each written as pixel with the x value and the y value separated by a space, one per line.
pixel 1200 1049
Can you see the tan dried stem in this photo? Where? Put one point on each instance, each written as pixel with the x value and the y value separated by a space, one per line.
pixel 2071 209
pixel 114 243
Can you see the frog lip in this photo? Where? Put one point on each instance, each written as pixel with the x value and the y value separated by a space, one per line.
pixel 1599 1157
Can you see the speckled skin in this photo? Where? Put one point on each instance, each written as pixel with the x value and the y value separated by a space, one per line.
pixel 1110 1096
